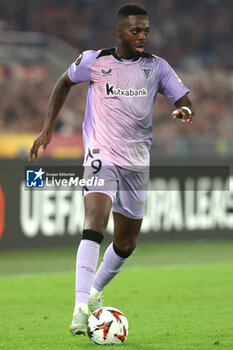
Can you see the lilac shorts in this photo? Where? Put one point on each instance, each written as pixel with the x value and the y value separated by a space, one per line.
pixel 126 188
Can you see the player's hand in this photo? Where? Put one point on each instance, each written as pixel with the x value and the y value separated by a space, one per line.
pixel 182 114
pixel 42 140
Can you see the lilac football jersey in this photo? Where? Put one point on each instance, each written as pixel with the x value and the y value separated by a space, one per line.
pixel 119 110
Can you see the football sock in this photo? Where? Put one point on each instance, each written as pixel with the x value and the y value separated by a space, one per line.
pixel 108 269
pixel 86 263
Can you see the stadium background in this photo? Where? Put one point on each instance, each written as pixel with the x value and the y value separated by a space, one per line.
pixel 176 289
pixel 39 40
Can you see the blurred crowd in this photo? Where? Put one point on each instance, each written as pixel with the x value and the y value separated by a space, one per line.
pixel 24 96
pixel 25 90
pixel 181 30
pixel 195 37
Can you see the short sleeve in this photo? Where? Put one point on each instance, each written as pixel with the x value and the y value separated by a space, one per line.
pixel 80 70
pixel 170 85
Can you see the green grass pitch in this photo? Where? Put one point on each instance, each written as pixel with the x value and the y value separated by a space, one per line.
pixel 176 296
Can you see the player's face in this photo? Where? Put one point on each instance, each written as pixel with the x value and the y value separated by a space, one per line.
pixel 132 35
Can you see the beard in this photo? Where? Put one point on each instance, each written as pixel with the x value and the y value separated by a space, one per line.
pixel 130 52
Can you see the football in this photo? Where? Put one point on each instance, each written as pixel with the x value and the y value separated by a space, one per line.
pixel 107 325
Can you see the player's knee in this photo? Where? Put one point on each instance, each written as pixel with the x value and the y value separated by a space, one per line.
pixel 124 249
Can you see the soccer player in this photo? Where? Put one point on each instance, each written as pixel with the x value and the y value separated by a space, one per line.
pixel 117 132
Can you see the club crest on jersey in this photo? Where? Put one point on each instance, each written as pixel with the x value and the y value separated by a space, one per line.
pixel 79 57
pixel 147 71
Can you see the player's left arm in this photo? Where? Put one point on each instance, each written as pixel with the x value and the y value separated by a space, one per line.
pixel 171 86
pixel 184 109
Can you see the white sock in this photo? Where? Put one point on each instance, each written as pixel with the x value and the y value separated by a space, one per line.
pixel 108 269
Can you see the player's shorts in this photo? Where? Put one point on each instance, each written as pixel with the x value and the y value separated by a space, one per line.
pixel 126 188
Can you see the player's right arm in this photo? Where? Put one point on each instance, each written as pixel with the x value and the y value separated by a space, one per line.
pixel 79 71
pixel 56 101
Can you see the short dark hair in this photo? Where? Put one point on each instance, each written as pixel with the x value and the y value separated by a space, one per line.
pixel 130 9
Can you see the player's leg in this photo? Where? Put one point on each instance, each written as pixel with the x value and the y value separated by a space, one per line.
pixel 126 231
pixel 97 210
pixel 128 210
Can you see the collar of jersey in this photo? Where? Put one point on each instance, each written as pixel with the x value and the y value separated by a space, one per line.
pixel 123 60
